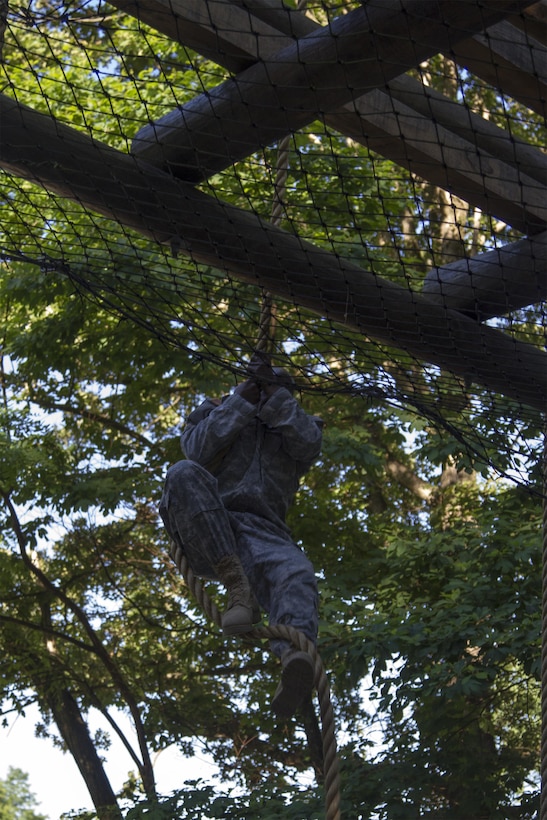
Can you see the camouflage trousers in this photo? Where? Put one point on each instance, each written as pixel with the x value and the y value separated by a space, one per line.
pixel 281 576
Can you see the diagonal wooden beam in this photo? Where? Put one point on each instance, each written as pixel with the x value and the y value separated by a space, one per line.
pixel 222 31
pixel 234 35
pixel 533 21
pixel 459 119
pixel 508 59
pixel 317 74
pixel 140 196
pixel 488 169
pixel 434 137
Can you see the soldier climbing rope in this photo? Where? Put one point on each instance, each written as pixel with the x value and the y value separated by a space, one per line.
pixel 411 271
pixel 299 642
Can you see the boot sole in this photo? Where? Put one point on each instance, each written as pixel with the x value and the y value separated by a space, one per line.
pixel 296 684
pixel 237 620
pixel 237 629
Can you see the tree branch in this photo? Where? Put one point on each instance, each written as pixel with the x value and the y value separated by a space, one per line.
pixel 145 767
pixel 54 633
pixel 107 422
pixel 409 479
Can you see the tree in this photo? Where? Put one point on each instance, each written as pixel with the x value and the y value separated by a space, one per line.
pixel 96 618
pixel 429 567
pixel 17 802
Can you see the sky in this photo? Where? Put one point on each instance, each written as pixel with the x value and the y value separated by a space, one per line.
pixel 54 777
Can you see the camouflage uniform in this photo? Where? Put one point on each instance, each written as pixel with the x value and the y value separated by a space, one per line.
pixel 244 463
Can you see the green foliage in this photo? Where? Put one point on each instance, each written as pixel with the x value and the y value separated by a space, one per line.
pixel 428 568
pixel 429 591
pixel 17 802
pixel 199 801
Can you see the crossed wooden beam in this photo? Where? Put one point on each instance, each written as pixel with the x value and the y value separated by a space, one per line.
pixel 152 189
pixel 287 85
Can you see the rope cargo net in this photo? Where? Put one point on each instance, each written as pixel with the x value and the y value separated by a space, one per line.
pixel 357 187
pixel 408 265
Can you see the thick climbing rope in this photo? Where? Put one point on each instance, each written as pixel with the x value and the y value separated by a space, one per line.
pixel 3 25
pixel 266 344
pixel 266 330
pixel 321 683
pixel 543 799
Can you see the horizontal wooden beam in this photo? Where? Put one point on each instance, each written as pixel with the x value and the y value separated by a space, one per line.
pixel 493 283
pixel 320 72
pixel 140 196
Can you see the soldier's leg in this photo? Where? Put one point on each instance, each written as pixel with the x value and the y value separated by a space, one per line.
pixel 284 582
pixel 197 521
pixel 195 517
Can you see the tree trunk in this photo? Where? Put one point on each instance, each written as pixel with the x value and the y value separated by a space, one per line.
pixel 75 733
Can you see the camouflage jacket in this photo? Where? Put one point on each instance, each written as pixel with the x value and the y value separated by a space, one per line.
pixel 258 452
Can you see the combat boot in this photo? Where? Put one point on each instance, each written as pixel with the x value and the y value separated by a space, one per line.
pixel 242 609
pixel 297 679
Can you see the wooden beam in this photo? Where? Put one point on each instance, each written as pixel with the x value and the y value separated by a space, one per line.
pixel 292 22
pixel 533 21
pixel 444 142
pixel 510 60
pixel 493 283
pixel 434 152
pixel 471 127
pixel 140 196
pixel 424 144
pixel 357 52
pixel 220 30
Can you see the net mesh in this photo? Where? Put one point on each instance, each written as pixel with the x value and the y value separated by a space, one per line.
pixel 436 159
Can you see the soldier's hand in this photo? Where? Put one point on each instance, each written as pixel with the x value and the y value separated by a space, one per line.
pixel 260 369
pixel 248 390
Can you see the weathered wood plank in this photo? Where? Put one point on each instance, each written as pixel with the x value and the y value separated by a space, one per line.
pixel 289 21
pixel 537 11
pixel 517 47
pixel 358 52
pixel 533 22
pixel 162 208
pixel 409 153
pixel 508 59
pixel 472 127
pixel 493 283
pixel 220 30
